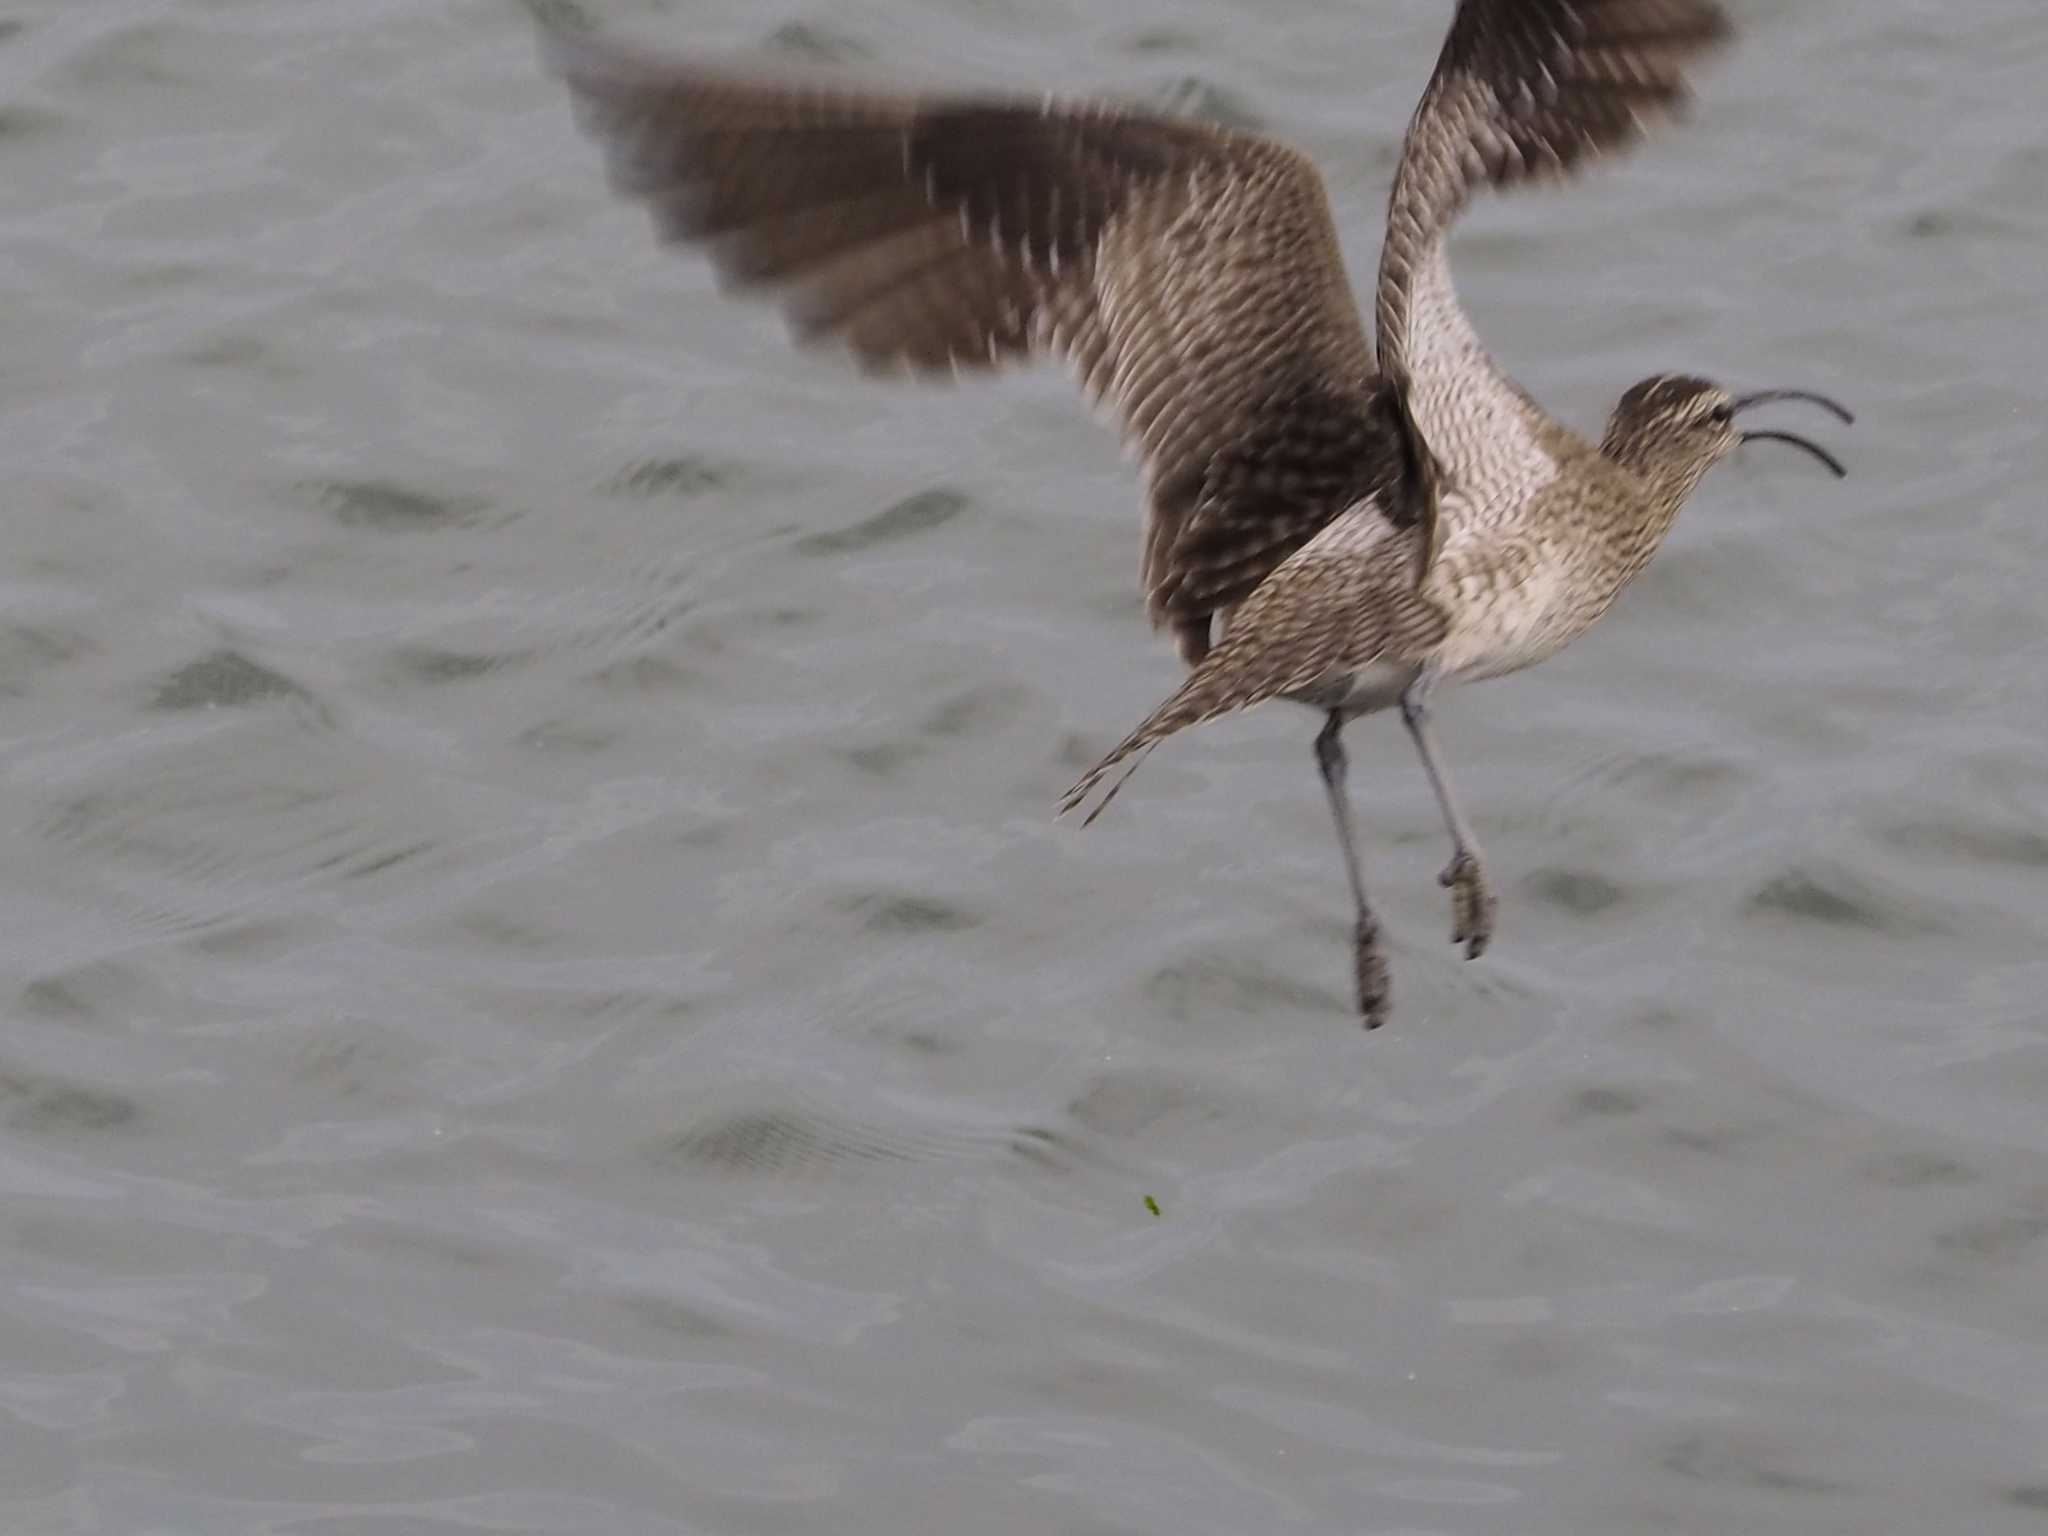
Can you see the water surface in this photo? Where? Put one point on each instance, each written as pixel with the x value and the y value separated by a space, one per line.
pixel 542 991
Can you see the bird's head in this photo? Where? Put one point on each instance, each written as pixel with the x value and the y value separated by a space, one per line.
pixel 1671 429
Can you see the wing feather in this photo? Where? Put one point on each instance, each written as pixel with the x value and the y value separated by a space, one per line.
pixel 1526 90
pixel 1189 274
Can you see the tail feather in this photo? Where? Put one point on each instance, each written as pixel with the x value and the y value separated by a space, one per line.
pixel 1216 687
pixel 1343 601
pixel 1081 791
pixel 1169 717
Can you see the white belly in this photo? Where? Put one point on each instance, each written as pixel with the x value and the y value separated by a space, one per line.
pixel 1371 688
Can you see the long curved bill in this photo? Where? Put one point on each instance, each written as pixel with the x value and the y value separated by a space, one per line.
pixel 1797 441
pixel 1765 396
pixel 1828 403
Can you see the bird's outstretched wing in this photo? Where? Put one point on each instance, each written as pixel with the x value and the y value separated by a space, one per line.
pixel 1337 605
pixel 1524 90
pixel 1189 274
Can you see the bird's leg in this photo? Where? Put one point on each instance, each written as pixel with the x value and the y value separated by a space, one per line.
pixel 1472 899
pixel 1372 965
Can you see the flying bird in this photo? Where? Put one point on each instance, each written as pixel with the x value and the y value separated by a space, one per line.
pixel 1346 522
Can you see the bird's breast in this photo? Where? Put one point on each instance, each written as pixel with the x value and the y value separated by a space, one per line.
pixel 1511 604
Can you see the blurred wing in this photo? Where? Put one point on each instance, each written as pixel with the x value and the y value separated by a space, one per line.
pixel 1524 90
pixel 1189 275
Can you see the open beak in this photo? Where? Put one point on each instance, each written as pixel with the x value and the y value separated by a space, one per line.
pixel 1765 396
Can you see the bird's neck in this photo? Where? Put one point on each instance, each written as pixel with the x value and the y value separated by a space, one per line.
pixel 1668 475
pixel 1656 487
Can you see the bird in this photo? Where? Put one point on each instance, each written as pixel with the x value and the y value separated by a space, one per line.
pixel 1343 522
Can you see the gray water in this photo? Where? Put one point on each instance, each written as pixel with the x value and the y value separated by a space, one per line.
pixel 542 992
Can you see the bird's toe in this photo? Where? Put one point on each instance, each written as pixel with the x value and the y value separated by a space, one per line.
pixel 1375 987
pixel 1473 904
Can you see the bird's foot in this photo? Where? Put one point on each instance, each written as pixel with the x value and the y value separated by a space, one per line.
pixel 1374 988
pixel 1472 903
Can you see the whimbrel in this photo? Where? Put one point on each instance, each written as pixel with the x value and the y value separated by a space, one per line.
pixel 1324 523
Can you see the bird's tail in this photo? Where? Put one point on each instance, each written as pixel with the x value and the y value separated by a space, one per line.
pixel 1094 776
pixel 1216 687
pixel 1176 713
pixel 1312 620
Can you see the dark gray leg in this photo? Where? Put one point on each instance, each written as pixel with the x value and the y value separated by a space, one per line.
pixel 1373 989
pixel 1472 900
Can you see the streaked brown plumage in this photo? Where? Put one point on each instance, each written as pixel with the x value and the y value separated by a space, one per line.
pixel 1188 274
pixel 1319 621
pixel 1362 525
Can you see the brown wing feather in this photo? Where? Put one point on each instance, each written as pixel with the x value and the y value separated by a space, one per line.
pixel 1189 274
pixel 1541 84
pixel 1526 90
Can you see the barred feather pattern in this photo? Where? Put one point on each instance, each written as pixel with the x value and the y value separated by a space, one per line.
pixel 1343 511
pixel 1188 274
pixel 1529 90
pixel 1524 91
pixel 1338 605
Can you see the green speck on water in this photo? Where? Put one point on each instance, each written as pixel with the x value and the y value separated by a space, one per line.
pixel 1152 1205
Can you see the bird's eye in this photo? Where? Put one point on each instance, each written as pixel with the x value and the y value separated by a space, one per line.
pixel 1721 415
